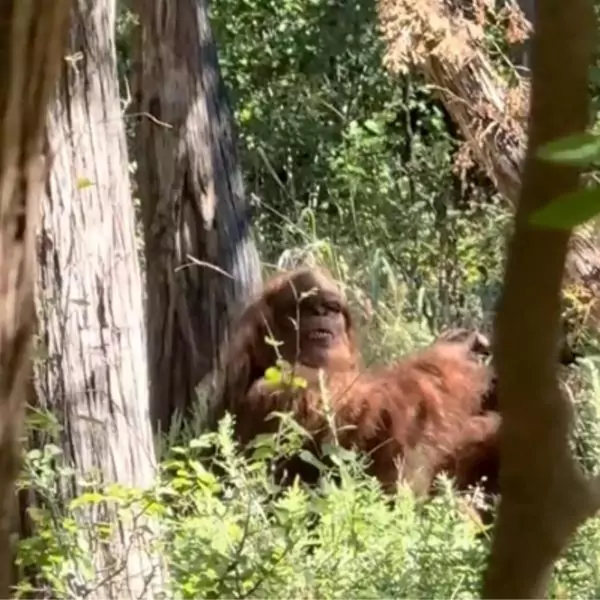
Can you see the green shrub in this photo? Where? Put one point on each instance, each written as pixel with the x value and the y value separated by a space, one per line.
pixel 238 535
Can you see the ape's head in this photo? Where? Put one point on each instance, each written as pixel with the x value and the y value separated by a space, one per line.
pixel 302 317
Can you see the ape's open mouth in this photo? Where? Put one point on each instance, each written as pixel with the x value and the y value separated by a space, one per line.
pixel 320 335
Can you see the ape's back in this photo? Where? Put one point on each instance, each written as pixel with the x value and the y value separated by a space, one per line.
pixel 426 410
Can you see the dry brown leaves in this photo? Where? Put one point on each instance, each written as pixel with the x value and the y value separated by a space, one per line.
pixel 453 31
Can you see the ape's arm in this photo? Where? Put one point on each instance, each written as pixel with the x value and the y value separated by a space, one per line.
pixel 476 451
pixel 265 397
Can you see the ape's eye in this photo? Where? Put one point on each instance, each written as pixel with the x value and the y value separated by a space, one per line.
pixel 333 306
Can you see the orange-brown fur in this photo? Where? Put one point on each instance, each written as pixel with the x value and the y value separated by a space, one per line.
pixel 424 410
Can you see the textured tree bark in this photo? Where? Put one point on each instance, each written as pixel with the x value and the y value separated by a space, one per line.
pixel 90 307
pixel 32 37
pixel 193 204
pixel 545 495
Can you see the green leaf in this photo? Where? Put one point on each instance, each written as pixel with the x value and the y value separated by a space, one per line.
pixel 262 453
pixel 201 443
pixel 289 422
pixel 84 182
pixel 582 149
pixel 86 498
pixel 342 453
pixel 245 115
pixel 372 126
pixel 311 459
pixel 569 210
pixel 299 382
pixel 273 375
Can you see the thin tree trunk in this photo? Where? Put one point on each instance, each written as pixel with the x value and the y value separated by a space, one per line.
pixel 94 378
pixel 193 204
pixel 545 495
pixel 32 37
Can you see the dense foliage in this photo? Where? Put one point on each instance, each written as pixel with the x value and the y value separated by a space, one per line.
pixel 337 151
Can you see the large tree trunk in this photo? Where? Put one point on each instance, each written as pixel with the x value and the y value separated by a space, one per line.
pixel 193 204
pixel 447 45
pixel 90 311
pixel 32 37
pixel 545 495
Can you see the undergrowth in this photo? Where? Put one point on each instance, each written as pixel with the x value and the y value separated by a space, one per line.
pixel 237 535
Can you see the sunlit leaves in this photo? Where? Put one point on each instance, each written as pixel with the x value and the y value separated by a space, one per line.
pixel 283 375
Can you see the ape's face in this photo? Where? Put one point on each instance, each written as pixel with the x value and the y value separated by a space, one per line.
pixel 311 319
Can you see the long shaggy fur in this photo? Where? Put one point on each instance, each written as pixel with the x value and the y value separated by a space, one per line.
pixel 415 417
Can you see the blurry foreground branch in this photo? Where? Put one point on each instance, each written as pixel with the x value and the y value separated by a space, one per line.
pixel 32 36
pixel 545 495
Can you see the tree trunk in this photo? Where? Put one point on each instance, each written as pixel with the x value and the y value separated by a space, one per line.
pixel 193 204
pixel 90 311
pixel 545 496
pixel 31 45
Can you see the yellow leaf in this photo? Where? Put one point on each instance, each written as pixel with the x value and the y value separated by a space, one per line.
pixel 84 182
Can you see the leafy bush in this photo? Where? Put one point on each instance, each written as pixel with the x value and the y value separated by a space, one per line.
pixel 236 534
